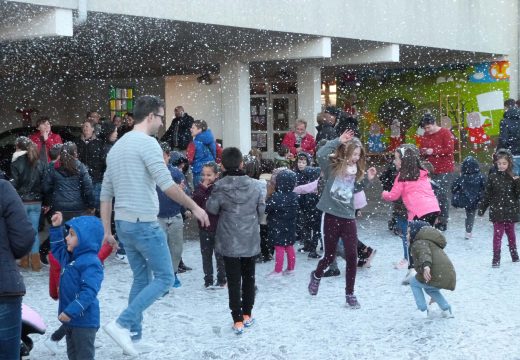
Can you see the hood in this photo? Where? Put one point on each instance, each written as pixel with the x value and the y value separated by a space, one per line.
pixel 513 113
pixel 307 156
pixel 89 230
pixel 416 226
pixel 177 158
pixel 433 235
pixel 205 137
pixel 285 181
pixel 235 188
pixel 470 165
pixel 312 173
pixel 17 154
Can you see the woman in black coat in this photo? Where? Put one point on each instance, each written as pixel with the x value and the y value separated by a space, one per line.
pixel 69 185
pixel 16 240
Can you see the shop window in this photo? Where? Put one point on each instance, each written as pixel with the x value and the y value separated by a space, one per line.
pixel 328 93
pixel 121 101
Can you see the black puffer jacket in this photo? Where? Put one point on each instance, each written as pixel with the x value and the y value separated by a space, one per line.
pixel 180 128
pixel 69 192
pixel 16 240
pixel 501 196
pixel 509 137
pixel 27 179
pixel 281 209
pixel 92 154
pixel 468 188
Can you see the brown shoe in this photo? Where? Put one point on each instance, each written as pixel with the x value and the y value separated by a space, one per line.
pixel 36 265
pixel 24 262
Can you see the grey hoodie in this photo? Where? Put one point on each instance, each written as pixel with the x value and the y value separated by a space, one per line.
pixel 238 202
pixel 338 195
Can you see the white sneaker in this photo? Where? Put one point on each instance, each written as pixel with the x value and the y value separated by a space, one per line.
pixel 467 236
pixel 288 272
pixel 429 312
pixel 411 273
pixel 403 264
pixel 141 347
pixel 121 257
pixel 121 336
pixel 274 274
pixel 52 346
pixel 447 314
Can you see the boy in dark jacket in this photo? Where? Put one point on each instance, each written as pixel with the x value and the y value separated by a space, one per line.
pixel 80 281
pixel 467 191
pixel 434 269
pixel 281 209
pixel 239 204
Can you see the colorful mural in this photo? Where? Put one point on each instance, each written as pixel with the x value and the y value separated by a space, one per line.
pixel 401 96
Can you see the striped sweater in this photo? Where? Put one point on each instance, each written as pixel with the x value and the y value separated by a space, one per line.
pixel 135 165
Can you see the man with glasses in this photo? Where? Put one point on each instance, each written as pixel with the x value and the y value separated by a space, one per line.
pixel 135 165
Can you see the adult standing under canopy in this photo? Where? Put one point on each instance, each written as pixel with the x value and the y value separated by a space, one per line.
pixel 44 138
pixel 135 166
pixel 509 137
pixel 299 140
pixel 178 135
pixel 438 148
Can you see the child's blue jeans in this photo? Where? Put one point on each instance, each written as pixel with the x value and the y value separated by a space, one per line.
pixel 435 293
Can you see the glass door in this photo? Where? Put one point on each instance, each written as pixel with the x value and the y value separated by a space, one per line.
pixel 284 111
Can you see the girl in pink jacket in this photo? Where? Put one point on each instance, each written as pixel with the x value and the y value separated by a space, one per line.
pixel 412 184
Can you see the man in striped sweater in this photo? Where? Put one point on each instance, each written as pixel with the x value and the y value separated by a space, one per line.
pixel 135 165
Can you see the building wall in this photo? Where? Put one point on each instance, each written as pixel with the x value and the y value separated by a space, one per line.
pixel 199 100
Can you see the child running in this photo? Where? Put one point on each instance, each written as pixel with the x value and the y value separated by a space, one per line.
pixel 80 281
pixel 239 204
pixel 337 204
pixel 467 191
pixel 434 269
pixel 501 196
pixel 207 234
pixel 282 210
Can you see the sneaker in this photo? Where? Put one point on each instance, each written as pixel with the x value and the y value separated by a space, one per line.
pixel 467 236
pixel 238 327
pixel 371 253
pixel 514 256
pixel 141 347
pixel 352 302
pixel 43 259
pixel 411 273
pixel 429 312
pixel 220 284
pixel 288 272
pixel 403 264
pixel 52 346
pixel 184 267
pixel 303 250
pixel 361 263
pixel 314 284
pixel 495 264
pixel 447 314
pixel 331 272
pixel 121 336
pixel 313 255
pixel 248 321
pixel 176 283
pixel 121 257
pixel 208 284
pixel 274 274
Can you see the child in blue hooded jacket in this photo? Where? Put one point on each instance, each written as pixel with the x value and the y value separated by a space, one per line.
pixel 80 280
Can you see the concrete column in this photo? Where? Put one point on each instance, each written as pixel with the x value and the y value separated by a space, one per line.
pixel 235 105
pixel 309 95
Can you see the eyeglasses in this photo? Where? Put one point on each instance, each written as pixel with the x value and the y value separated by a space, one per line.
pixel 161 116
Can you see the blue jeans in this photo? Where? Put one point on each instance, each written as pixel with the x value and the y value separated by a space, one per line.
pixel 33 213
pixel 96 191
pixel 435 293
pixel 10 327
pixel 402 225
pixel 149 258
pixel 516 165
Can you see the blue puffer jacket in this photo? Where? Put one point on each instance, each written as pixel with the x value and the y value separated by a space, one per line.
pixel 467 190
pixel 69 192
pixel 81 271
pixel 16 240
pixel 205 150
pixel 509 137
pixel 281 209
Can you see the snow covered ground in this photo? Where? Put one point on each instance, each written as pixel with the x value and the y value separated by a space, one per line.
pixel 193 323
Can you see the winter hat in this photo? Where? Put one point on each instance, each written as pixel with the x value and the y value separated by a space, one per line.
pixel 415 226
pixel 177 158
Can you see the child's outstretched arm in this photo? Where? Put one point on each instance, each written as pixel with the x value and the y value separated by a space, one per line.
pixel 91 279
pixel 396 191
pixel 58 244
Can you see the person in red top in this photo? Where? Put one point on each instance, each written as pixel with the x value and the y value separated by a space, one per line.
pixel 44 136
pixel 437 147
pixel 299 139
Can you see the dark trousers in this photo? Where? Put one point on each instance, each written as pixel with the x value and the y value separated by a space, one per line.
pixel 10 327
pixel 80 343
pixel 266 248
pixel 335 228
pixel 240 274
pixel 498 231
pixel 207 248
pixel 311 229
pixel 59 333
pixel 470 219
pixel 444 182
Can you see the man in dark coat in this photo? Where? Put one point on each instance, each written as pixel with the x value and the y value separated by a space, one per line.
pixel 326 122
pixel 178 135
pixel 509 137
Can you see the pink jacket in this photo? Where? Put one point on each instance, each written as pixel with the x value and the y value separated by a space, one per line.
pixel 418 196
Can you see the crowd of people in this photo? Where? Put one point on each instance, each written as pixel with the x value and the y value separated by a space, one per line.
pixel 120 189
